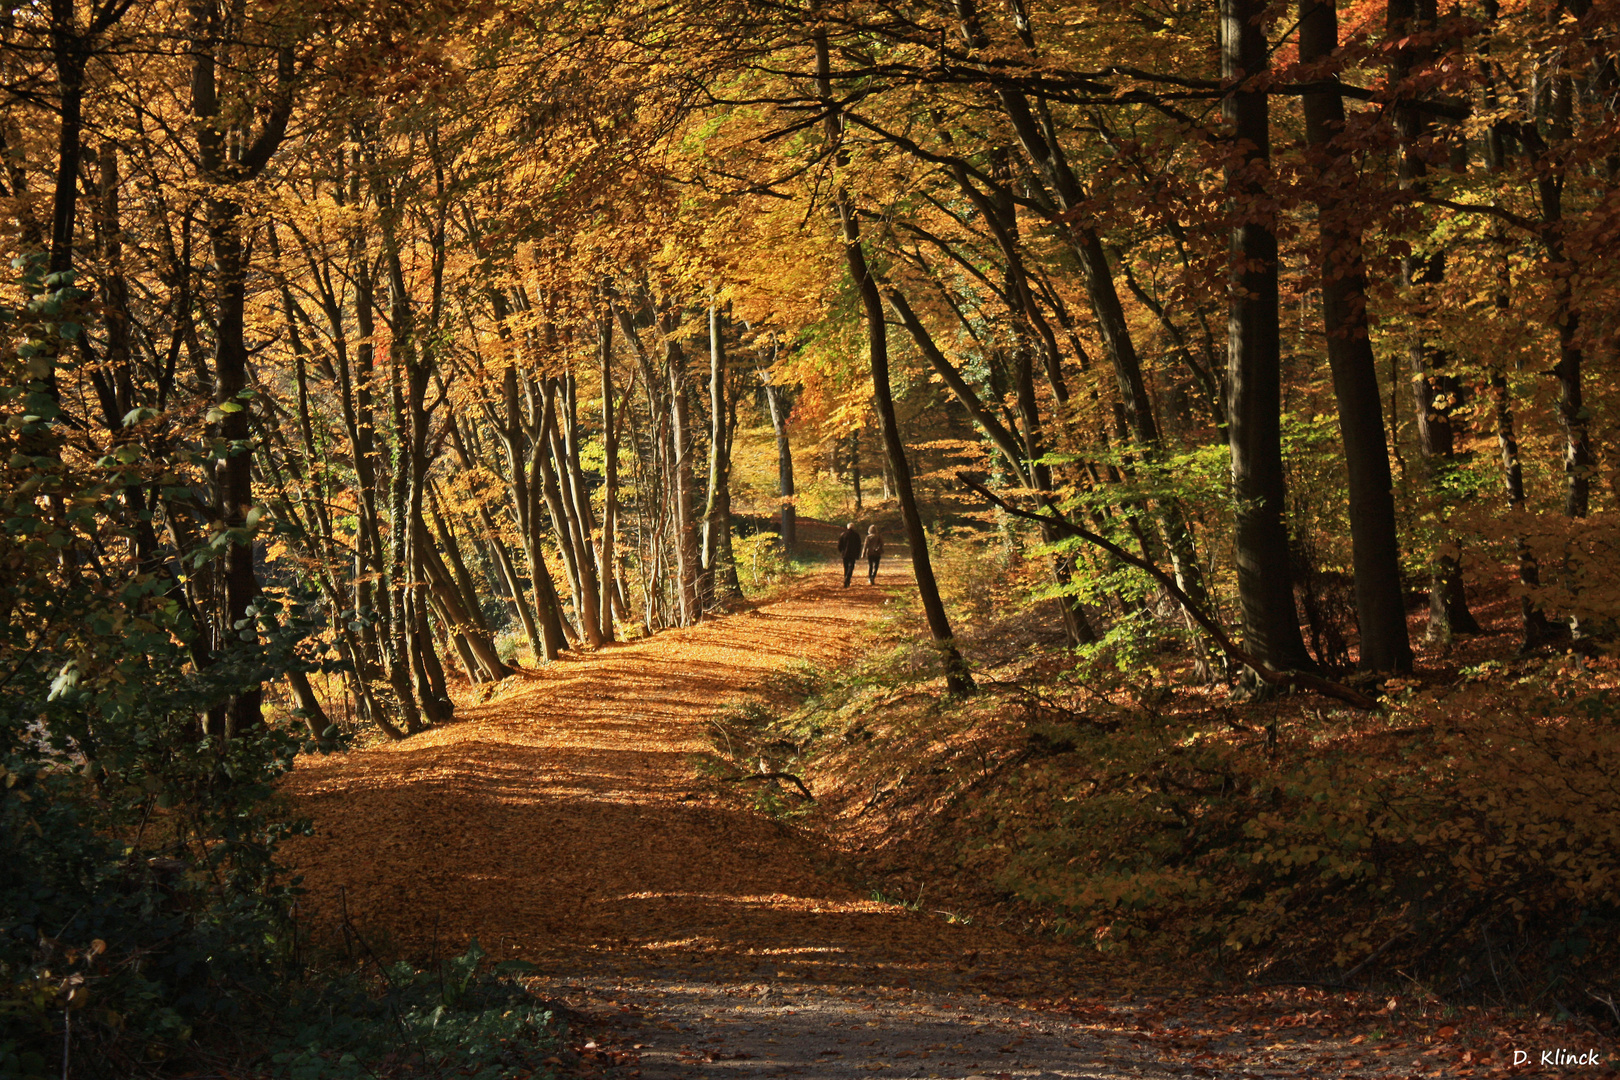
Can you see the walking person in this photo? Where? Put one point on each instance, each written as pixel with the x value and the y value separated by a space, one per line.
pixel 849 546
pixel 873 550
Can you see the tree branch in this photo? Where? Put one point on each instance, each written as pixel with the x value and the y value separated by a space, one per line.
pixel 798 783
pixel 1305 680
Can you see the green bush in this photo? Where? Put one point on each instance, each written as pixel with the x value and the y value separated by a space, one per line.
pixel 446 1020
pixel 761 562
pixel 139 900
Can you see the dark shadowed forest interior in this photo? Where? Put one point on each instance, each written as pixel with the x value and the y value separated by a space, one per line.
pixel 426 433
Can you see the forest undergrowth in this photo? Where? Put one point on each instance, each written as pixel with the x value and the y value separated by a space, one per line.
pixel 1460 845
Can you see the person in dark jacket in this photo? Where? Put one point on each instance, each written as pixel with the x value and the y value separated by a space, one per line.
pixel 873 550
pixel 849 546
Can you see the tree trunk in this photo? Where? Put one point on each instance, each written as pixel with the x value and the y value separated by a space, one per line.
pixel 410 372
pixel 958 679
pixel 606 557
pixel 455 613
pixel 1019 455
pixel 784 463
pixel 719 564
pixel 686 536
pixel 579 500
pixel 524 508
pixel 1254 377
pixel 309 705
pixel 570 531
pixel 855 468
pixel 1380 608
pixel 466 588
pixel 1435 394
pixel 1537 628
pixel 235 473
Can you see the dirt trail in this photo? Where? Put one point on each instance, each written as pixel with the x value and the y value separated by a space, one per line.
pixel 560 824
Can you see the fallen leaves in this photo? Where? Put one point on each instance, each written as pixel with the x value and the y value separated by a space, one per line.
pixel 553 823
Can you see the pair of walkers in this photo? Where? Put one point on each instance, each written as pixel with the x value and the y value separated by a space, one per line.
pixel 852 547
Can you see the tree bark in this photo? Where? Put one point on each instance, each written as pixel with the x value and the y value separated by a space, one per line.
pixel 314 716
pixel 223 214
pixel 1020 455
pixel 784 461
pixel 606 558
pixel 1385 644
pixel 687 559
pixel 1435 393
pixel 719 564
pixel 958 679
pixel 525 508
pixel 1254 376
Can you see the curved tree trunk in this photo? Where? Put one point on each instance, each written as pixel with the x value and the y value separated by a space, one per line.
pixel 958 679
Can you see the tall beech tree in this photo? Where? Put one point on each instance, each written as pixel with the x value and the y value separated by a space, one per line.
pixel 1380 604
pixel 958 678
pixel 229 155
pixel 1253 366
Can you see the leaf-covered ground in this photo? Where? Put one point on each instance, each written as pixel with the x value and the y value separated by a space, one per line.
pixel 561 823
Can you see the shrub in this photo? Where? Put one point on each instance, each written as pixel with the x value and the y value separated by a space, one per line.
pixel 446 1019
pixel 1475 837
pixel 138 892
pixel 761 562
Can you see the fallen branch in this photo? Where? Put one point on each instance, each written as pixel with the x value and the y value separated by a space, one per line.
pixel 772 776
pixel 1376 953
pixel 1301 679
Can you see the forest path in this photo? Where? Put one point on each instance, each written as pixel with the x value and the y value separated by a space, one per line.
pixel 559 824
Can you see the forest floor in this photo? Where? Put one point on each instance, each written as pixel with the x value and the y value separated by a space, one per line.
pixel 562 823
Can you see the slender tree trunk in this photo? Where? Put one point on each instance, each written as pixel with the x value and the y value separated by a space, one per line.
pixel 309 705
pixel 236 470
pixel 1375 549
pixel 606 558
pixel 508 572
pixel 549 451
pixel 466 588
pixel 687 560
pixel 1019 454
pixel 551 638
pixel 223 211
pixel 1254 376
pixel 407 673
pixel 1435 393
pixel 410 376
pixel 1572 413
pixel 784 462
pixel 456 614
pixel 71 53
pixel 371 602
pixel 958 679
pixel 719 563
pixel 582 522
pixel 1537 628
pixel 855 478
